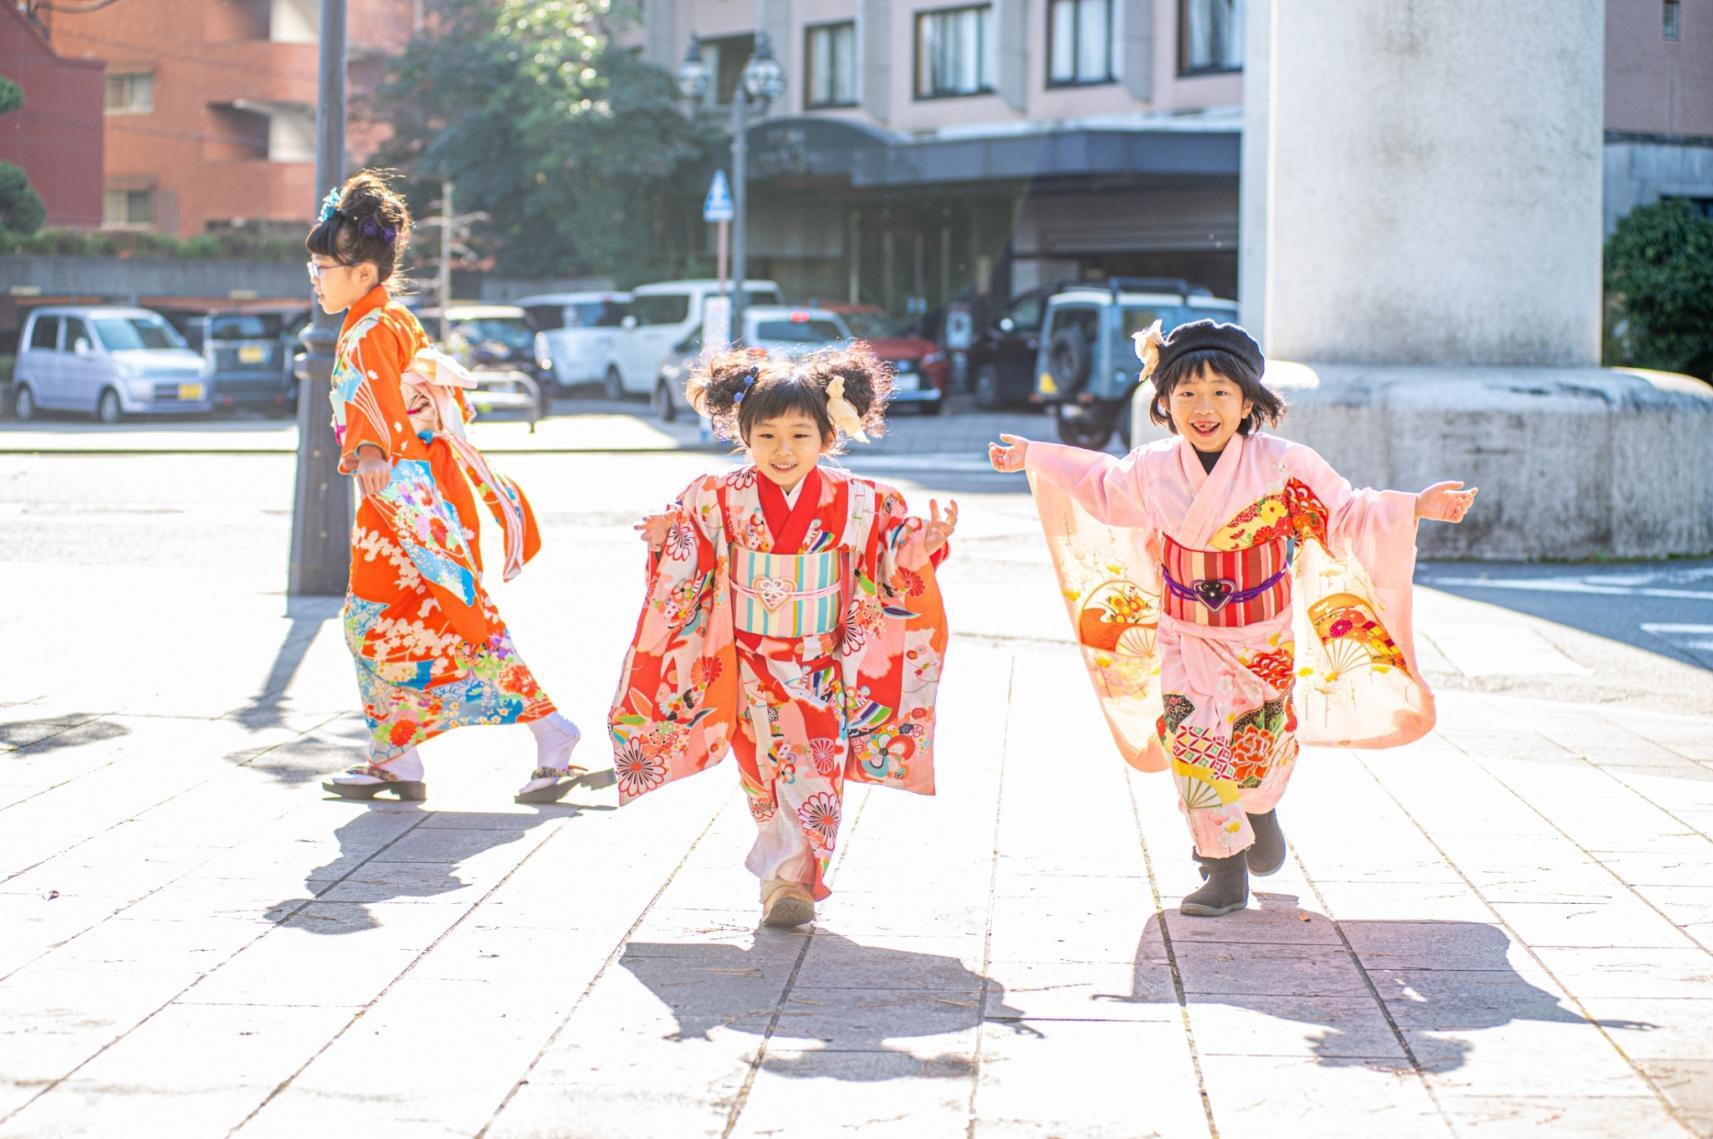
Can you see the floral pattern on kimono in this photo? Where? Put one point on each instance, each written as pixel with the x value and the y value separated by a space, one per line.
pixel 1224 707
pixel 804 714
pixel 430 648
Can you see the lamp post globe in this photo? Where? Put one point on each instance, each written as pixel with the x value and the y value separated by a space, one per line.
pixel 763 78
pixel 693 76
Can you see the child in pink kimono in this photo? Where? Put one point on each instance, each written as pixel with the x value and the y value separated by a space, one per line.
pixel 1212 576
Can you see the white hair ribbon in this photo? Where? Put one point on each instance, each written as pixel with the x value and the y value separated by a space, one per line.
pixel 1148 343
pixel 842 412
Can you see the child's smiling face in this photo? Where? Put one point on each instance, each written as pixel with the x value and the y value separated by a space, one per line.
pixel 1207 409
pixel 787 448
pixel 419 405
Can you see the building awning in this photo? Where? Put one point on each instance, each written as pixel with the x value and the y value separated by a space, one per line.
pixel 872 158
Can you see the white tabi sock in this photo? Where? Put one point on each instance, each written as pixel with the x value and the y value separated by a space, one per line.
pixel 555 739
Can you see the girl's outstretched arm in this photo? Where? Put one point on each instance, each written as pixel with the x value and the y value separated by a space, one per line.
pixel 1111 490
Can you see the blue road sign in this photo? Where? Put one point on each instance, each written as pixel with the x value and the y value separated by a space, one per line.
pixel 717 206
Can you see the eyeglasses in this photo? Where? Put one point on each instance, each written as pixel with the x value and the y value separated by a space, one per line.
pixel 316 270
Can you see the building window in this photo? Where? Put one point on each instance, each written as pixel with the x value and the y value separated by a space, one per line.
pixel 1672 15
pixel 1210 36
pixel 127 209
pixel 830 52
pixel 725 58
pixel 1079 42
pixel 954 49
pixel 132 94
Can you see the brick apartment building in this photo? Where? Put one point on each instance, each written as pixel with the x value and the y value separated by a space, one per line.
pixel 56 138
pixel 209 105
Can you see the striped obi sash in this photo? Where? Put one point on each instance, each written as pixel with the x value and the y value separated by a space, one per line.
pixel 1226 589
pixel 786 595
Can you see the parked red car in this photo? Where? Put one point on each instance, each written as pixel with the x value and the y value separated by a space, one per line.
pixel 921 369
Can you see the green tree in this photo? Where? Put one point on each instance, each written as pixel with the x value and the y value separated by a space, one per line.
pixel 21 208
pixel 1659 275
pixel 573 147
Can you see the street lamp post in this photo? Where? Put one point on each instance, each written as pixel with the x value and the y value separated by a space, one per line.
pixel 322 507
pixel 763 81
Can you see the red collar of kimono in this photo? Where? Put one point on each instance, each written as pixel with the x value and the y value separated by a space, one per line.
pixel 375 298
pixel 789 524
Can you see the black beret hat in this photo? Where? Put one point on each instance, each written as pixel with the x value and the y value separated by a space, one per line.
pixel 1210 336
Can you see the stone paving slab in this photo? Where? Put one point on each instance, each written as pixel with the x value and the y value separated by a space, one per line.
pixel 1502 930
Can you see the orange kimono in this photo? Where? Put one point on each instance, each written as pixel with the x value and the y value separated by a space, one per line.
pixel 431 651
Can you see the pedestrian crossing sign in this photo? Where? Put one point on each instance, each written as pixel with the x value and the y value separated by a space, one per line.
pixel 718 206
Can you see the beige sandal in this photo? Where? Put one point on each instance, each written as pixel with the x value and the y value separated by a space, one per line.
pixel 786 904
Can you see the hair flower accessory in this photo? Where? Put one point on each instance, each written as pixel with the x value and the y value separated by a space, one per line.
pixel 842 412
pixel 744 385
pixel 1148 343
pixel 372 227
pixel 329 204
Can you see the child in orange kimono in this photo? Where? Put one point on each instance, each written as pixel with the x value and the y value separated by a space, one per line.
pixel 1180 564
pixel 792 615
pixel 430 648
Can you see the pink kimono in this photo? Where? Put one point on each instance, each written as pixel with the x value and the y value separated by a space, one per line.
pixel 1204 601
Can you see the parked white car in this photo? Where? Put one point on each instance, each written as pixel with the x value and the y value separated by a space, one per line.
pixel 780 330
pixel 662 316
pixel 574 333
pixel 107 361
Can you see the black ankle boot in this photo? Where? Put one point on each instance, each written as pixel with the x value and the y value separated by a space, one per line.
pixel 1268 853
pixel 1226 889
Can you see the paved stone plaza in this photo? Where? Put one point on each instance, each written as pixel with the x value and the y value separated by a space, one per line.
pixel 1503 930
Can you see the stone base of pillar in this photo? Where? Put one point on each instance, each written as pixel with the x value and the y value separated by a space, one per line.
pixel 1573 463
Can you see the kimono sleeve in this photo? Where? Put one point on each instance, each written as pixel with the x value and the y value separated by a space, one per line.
pixel 892 649
pixel 676 705
pixel 373 397
pixel 1109 490
pixel 1376 528
pixel 1358 680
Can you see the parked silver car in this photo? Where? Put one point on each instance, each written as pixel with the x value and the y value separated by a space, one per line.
pixel 107 361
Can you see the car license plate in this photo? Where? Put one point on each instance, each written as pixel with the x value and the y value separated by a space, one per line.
pixel 190 391
pixel 906 381
pixel 252 354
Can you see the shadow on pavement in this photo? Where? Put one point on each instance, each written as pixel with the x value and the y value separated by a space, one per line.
pixel 377 863
pixel 307 615
pixel 1435 979
pixel 840 1007
pixel 76 729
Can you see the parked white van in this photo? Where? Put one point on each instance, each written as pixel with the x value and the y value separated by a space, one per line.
pixel 108 361
pixel 574 333
pixel 662 316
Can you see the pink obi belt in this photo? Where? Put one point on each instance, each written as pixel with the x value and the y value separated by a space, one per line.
pixel 1227 589
pixel 786 595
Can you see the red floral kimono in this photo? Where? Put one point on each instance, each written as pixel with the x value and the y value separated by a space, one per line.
pixel 807 637
pixel 431 651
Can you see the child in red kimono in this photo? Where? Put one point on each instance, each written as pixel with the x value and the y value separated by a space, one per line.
pixel 1213 576
pixel 792 615
pixel 431 651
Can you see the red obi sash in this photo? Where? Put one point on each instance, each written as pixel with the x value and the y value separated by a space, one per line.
pixel 1226 589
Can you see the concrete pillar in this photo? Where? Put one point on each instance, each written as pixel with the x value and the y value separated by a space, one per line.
pixel 874 26
pixel 1424 178
pixel 1136 43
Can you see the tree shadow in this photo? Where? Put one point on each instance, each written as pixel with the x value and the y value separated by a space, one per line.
pixel 377 864
pixel 31 738
pixel 1435 980
pixel 828 1010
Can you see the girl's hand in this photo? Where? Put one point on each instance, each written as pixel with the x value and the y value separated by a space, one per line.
pixel 1007 454
pixel 1444 502
pixel 939 530
pixel 373 471
pixel 654 528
